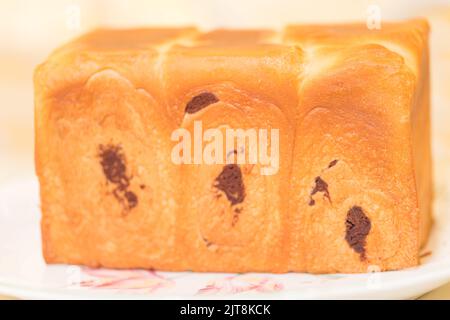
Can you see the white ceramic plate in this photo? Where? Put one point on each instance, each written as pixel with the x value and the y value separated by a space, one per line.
pixel 24 274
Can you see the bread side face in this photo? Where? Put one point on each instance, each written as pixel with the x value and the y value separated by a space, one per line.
pixel 359 201
pixel 353 174
pixel 254 86
pixel 102 150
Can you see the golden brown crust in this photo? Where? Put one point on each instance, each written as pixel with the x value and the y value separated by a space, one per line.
pixel 353 191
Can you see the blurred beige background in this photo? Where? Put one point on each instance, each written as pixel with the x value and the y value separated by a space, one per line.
pixel 30 30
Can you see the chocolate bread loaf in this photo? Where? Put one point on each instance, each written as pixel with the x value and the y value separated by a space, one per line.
pixel 349 111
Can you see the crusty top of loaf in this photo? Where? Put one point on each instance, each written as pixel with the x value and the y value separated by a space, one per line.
pixel 308 49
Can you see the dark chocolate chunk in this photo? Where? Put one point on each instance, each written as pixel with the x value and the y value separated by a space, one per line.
pixel 332 163
pixel 113 162
pixel 357 227
pixel 320 186
pixel 132 199
pixel 230 182
pixel 200 101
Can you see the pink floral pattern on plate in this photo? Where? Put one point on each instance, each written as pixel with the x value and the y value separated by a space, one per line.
pixel 241 283
pixel 150 281
pixel 144 281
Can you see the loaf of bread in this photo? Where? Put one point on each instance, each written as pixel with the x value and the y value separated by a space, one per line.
pixel 352 188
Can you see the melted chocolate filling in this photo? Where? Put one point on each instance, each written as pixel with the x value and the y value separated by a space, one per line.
pixel 114 167
pixel 357 227
pixel 230 182
pixel 200 101
pixel 332 164
pixel 320 186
